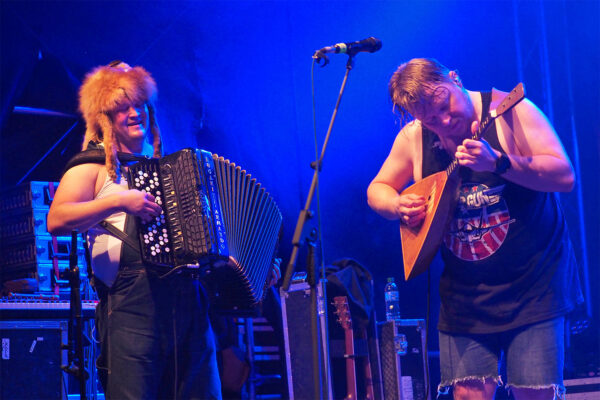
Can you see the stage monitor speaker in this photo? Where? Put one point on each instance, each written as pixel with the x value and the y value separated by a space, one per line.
pixel 30 366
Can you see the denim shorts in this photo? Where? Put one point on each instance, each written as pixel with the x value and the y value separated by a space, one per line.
pixel 533 357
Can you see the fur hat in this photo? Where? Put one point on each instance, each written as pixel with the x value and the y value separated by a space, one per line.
pixel 106 88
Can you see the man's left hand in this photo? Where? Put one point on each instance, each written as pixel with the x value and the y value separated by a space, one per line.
pixel 477 154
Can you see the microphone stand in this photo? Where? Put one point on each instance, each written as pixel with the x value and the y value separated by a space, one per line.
pixel 76 361
pixel 301 236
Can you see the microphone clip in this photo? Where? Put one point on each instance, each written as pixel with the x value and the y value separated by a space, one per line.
pixel 319 56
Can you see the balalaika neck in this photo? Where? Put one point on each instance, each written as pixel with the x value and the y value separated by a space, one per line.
pixel 483 126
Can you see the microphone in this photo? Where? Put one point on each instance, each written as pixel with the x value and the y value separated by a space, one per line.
pixel 369 45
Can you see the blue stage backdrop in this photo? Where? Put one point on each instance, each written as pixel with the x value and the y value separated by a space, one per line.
pixel 234 77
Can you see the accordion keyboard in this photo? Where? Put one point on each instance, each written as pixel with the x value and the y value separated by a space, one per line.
pixel 154 234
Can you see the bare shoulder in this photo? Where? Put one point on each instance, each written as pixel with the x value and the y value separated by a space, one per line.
pixel 398 168
pixel 407 145
pixel 80 183
pixel 83 173
pixel 408 139
pixel 410 132
pixel 525 130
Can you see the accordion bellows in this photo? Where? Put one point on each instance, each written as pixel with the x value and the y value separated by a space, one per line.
pixel 212 210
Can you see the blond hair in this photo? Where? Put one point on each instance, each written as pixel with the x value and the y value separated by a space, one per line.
pixel 411 85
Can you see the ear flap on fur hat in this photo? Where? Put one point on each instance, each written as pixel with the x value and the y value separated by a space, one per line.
pixel 104 90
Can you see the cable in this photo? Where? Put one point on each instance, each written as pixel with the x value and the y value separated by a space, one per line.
pixel 175 355
pixel 427 319
pixel 318 167
pixel 177 268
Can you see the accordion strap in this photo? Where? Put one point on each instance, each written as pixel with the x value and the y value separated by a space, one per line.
pixel 98 156
pixel 119 234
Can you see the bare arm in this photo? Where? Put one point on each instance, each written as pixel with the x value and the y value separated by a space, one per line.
pixel 395 173
pixel 543 164
pixel 74 206
pixel 538 159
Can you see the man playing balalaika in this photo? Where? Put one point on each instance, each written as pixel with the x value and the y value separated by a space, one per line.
pixel 509 268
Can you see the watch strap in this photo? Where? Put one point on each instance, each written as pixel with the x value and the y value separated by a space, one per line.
pixel 502 164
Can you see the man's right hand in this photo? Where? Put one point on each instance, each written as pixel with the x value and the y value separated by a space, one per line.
pixel 411 209
pixel 140 204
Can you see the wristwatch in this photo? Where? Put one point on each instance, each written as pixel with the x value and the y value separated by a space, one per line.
pixel 502 164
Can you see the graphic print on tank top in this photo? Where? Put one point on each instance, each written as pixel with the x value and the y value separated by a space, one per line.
pixel 480 223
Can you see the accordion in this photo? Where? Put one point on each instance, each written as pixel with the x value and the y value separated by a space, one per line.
pixel 212 210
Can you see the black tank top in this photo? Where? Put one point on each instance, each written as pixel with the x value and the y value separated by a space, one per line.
pixel 508 260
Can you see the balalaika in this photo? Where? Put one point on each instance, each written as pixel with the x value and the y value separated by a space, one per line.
pixel 212 210
pixel 421 243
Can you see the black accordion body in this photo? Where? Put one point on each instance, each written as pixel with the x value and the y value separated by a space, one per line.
pixel 212 210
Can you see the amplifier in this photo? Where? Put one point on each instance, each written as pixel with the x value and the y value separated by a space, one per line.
pixel 297 333
pixel 31 359
pixel 32 356
pixel 404 360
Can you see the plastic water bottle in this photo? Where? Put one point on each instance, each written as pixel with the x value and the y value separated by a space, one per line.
pixel 392 301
